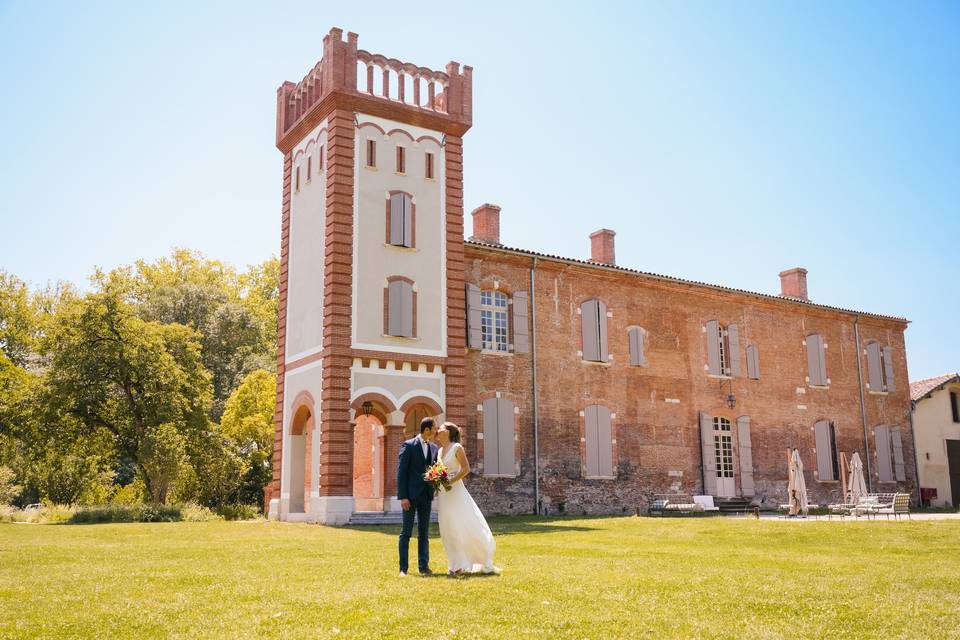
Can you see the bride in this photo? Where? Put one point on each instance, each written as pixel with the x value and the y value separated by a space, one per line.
pixel 464 531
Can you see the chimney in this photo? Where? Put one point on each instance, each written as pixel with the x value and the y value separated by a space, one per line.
pixel 793 284
pixel 486 224
pixel 601 247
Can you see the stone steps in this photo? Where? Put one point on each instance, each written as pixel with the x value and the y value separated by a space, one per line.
pixel 362 518
pixel 733 505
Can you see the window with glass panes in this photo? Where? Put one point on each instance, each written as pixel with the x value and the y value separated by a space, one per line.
pixel 723 447
pixel 493 320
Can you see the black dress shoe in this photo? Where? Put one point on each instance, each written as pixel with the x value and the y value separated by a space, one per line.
pixel 426 572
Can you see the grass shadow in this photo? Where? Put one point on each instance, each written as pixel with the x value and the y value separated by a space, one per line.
pixel 500 526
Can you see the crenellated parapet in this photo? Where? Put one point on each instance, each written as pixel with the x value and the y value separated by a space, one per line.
pixel 373 83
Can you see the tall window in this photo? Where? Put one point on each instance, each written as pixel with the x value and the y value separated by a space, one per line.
pixel 297 180
pixel 828 459
pixel 498 437
pixel 635 336
pixel 955 406
pixel 816 361
pixel 400 308
pixel 428 165
pixel 723 349
pixel 309 167
pixel 593 324
pixel 401 159
pixel 493 320
pixel 401 220
pixel 598 434
pixel 879 367
pixel 371 153
pixel 723 447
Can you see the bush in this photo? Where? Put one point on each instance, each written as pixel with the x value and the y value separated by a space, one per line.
pixel 127 513
pixel 239 512
pixel 191 512
pixel 46 514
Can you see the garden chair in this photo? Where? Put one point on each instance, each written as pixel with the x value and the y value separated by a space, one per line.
pixel 897 508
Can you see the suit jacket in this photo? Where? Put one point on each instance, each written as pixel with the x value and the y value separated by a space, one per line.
pixel 410 469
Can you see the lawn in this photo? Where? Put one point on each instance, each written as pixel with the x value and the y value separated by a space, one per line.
pixel 577 578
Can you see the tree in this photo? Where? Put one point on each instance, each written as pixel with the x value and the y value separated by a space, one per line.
pixel 18 320
pixel 8 487
pixel 111 370
pixel 248 421
pixel 163 459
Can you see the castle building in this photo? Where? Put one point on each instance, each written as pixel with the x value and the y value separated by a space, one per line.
pixel 581 386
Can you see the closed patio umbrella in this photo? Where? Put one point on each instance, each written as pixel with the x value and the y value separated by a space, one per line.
pixel 796 486
pixel 858 486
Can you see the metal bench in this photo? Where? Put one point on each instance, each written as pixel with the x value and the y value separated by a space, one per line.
pixel 673 504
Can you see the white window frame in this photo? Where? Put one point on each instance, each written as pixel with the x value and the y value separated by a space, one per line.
pixel 494 321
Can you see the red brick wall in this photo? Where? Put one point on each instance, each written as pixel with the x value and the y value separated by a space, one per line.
pixel 653 437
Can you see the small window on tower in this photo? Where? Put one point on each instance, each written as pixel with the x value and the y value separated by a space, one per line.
pixel 297 180
pixel 371 153
pixel 401 160
pixel 309 167
pixel 428 169
pixel 320 160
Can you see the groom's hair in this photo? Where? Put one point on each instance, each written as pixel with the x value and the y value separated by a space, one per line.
pixel 426 423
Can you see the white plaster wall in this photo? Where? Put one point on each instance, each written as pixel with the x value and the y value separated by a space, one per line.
pixel 375 260
pixel 933 425
pixel 399 385
pixel 306 249
pixel 306 378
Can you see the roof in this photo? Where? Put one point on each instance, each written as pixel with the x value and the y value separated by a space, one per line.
pixel 925 387
pixel 657 276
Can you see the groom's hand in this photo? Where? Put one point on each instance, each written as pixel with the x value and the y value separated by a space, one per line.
pixel 405 504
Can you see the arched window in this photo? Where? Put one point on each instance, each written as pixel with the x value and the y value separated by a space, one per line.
pixel 400 308
pixel 401 220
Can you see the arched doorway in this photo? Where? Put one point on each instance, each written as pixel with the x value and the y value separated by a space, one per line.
pixel 301 436
pixel 368 463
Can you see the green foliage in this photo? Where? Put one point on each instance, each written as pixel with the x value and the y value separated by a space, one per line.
pixel 8 487
pixel 71 476
pixel 217 471
pixel 248 421
pixel 163 458
pixel 18 320
pixel 239 512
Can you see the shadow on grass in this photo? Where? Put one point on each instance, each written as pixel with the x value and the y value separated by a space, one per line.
pixel 500 526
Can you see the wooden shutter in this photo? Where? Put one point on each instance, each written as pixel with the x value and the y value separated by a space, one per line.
pixel 874 370
pixel 816 369
pixel 592 437
pixel 491 437
pixel 713 348
pixel 733 344
pixel 474 335
pixel 396 219
pixel 505 436
pixel 394 322
pixel 589 330
pixel 604 442
pixel 521 325
pixel 888 369
pixel 955 406
pixel 602 330
pixel 407 311
pixel 707 453
pixel 636 346
pixel 881 435
pixel 824 450
pixel 746 456
pixel 899 472
pixel 753 362
pixel 407 220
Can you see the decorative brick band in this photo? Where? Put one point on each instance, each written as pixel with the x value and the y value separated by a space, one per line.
pixel 456 282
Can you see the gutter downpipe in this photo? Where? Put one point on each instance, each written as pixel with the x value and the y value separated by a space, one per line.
pixel 533 365
pixel 863 406
pixel 916 455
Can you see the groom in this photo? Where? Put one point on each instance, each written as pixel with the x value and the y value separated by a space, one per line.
pixel 416 495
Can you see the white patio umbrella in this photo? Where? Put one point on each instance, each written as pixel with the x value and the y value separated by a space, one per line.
pixel 796 486
pixel 858 486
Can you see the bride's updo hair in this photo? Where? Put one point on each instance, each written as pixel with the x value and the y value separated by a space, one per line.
pixel 453 430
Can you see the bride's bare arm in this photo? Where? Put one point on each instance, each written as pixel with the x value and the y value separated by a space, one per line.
pixel 464 465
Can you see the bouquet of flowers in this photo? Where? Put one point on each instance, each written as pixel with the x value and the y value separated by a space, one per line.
pixel 437 476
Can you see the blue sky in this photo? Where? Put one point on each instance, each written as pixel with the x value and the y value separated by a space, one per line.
pixel 723 142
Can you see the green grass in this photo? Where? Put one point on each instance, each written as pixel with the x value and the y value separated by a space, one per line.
pixel 576 578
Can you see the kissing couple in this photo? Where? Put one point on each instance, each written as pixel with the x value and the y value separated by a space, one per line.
pixel 464 532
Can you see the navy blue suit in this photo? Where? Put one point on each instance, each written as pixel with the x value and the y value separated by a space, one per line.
pixel 411 486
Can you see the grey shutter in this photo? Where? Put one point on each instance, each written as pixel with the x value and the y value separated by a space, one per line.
pixel 824 451
pixel 407 220
pixel 394 309
pixel 634 337
pixel 822 361
pixel 593 457
pixel 474 335
pixel 814 350
pixel 733 342
pixel 874 370
pixel 888 369
pixel 713 348
pixel 602 330
pixel 491 437
pixel 604 442
pixel 746 456
pixel 707 452
pixel 881 437
pixel 521 328
pixel 590 331
pixel 505 436
pixel 753 362
pixel 396 219
pixel 898 468
pixel 406 310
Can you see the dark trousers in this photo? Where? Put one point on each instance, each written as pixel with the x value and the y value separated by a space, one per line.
pixel 421 509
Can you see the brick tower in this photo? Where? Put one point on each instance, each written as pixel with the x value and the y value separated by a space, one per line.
pixel 372 306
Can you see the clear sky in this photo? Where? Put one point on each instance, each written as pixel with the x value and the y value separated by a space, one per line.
pixel 724 142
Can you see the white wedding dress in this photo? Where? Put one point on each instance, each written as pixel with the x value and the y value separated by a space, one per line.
pixel 464 531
